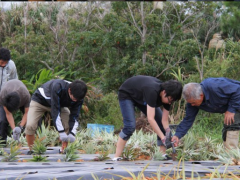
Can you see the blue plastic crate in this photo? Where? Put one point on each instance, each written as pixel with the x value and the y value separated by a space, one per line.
pixel 100 128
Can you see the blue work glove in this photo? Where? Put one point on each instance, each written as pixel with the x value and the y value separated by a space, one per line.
pixel 71 138
pixel 16 133
pixel 63 137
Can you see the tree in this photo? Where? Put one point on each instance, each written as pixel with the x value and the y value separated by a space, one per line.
pixel 230 20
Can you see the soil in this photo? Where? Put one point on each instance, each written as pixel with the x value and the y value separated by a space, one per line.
pixel 141 123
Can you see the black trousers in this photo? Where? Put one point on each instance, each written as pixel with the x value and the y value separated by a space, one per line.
pixel 3 126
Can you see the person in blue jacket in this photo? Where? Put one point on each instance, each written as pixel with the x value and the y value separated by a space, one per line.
pixel 215 95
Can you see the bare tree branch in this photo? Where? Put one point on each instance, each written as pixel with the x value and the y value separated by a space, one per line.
pixel 46 64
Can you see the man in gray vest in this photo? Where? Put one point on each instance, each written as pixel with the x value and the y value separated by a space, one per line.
pixel 14 95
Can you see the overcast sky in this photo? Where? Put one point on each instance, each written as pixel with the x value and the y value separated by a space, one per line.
pixel 7 5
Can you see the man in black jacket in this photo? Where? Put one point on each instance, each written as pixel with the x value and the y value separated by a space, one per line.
pixel 64 100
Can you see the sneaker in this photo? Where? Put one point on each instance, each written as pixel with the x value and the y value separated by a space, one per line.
pixel 166 157
pixel 62 152
pixel 29 152
pixel 117 159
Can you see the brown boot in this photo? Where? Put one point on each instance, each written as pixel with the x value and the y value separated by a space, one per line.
pixel 232 139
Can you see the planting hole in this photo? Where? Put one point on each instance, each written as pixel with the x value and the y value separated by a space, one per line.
pixel 108 163
pixel 77 163
pixel 12 164
pixel 109 168
pixel 195 163
pixel 32 172
pixel 70 170
pixel 139 163
pixel 50 149
pixel 210 167
pixel 45 164
pixel 167 163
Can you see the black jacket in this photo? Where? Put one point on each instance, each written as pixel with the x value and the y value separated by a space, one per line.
pixel 54 94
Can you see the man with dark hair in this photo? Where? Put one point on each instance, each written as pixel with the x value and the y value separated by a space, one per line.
pixel 58 97
pixel 8 71
pixel 147 94
pixel 215 95
pixel 14 95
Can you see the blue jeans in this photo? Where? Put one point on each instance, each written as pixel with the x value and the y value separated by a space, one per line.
pixel 127 108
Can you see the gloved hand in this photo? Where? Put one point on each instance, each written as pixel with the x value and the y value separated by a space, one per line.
pixel 71 138
pixel 16 133
pixel 63 137
pixel 164 141
pixel 168 136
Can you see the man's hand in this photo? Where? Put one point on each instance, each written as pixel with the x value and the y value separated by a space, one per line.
pixel 71 138
pixel 175 139
pixel 16 133
pixel 228 118
pixel 63 137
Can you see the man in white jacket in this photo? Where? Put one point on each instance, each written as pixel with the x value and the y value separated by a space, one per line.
pixel 8 71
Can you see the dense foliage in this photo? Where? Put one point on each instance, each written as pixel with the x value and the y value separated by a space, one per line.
pixel 104 43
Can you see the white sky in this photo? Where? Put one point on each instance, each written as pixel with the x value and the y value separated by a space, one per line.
pixel 7 5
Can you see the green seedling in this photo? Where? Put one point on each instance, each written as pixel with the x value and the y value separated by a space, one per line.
pixel 38 158
pixel 39 147
pixel 71 152
pixel 12 156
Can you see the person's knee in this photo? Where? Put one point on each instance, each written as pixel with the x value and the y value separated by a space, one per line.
pixel 126 133
pixel 31 128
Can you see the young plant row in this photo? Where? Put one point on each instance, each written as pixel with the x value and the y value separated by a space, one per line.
pixel 140 146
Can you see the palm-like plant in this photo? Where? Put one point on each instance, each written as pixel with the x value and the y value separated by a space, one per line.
pixel 38 158
pixel 130 153
pixel 52 137
pixel 12 156
pixel 39 146
pixel 41 77
pixel 103 154
pixel 71 152
pixel 1 141
pixel 156 154
pixel 231 157
pixel 43 134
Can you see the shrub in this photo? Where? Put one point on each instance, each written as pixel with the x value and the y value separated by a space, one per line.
pixel 107 111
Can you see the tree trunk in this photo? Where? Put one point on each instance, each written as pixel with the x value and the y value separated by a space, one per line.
pixel 25 28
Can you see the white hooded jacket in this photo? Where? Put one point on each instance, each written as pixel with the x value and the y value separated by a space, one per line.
pixel 7 73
